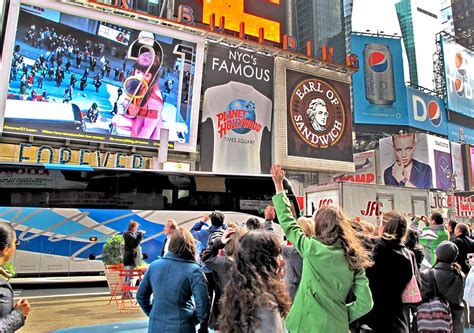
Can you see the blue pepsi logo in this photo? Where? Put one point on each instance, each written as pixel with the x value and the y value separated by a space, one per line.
pixel 434 113
pixel 378 62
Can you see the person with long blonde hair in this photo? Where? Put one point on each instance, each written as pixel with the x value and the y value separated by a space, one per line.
pixel 334 263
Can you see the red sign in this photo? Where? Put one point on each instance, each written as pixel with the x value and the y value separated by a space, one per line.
pixel 373 209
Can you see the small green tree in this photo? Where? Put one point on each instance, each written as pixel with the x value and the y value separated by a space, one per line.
pixel 113 250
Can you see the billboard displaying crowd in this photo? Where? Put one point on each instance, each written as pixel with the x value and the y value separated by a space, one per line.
pixel 379 88
pixel 237 111
pixel 459 72
pixel 75 77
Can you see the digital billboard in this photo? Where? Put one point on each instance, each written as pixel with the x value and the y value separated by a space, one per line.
pixel 313 125
pixel 426 112
pixel 458 169
pixel 365 169
pixel 94 84
pixel 459 71
pixel 460 133
pixel 237 111
pixel 378 87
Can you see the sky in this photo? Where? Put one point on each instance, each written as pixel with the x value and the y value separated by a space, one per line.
pixel 375 15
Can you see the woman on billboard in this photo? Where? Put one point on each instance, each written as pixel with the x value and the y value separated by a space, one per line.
pixel 143 104
pixel 406 171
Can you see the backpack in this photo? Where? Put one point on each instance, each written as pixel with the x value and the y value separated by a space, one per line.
pixel 435 314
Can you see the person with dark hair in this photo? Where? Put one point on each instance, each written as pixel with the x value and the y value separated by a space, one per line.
pixel 177 283
pixel 451 226
pixel 132 237
pixel 412 242
pixel 12 315
pixel 431 237
pixel 389 276
pixel 221 265
pixel 334 263
pixel 205 236
pixel 449 282
pixel 465 245
pixel 255 299
pixel 253 224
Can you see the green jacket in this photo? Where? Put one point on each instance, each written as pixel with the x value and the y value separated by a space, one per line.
pixel 430 238
pixel 320 302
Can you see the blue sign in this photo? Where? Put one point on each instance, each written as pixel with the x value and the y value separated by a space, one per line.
pixel 458 133
pixel 426 112
pixel 459 71
pixel 378 86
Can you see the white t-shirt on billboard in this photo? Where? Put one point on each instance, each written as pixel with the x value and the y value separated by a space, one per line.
pixel 239 114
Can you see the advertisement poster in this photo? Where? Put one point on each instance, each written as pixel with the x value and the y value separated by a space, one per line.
pixel 365 169
pixel 319 123
pixel 426 112
pixel 459 71
pixel 378 86
pixel 405 161
pixel 460 133
pixel 67 82
pixel 471 157
pixel 458 169
pixel 237 111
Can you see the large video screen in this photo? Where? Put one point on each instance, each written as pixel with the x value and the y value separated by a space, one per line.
pixel 78 78
pixel 459 71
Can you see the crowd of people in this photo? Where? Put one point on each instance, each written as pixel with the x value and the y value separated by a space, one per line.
pixel 331 273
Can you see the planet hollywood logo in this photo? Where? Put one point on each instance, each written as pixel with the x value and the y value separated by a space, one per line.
pixel 238 117
pixel 317 113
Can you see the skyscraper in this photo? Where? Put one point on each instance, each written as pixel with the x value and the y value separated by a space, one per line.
pixel 463 19
pixel 447 16
pixel 321 22
pixel 419 22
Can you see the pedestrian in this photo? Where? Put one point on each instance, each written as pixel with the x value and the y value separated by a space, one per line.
pixel 40 81
pixel 132 238
pixel 253 224
pixel 116 73
pixel 68 65
pixel 79 60
pixel 256 299
pixel 412 242
pixel 83 83
pixel 451 226
pixel 177 283
pixel 448 280
pixel 13 315
pixel 73 80
pixel 431 237
pixel 221 265
pixel 204 235
pixel 119 93
pixel 170 226
pixel 334 262
pixel 389 276
pixel 465 245
pixel 97 84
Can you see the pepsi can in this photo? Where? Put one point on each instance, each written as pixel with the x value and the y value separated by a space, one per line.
pixel 378 74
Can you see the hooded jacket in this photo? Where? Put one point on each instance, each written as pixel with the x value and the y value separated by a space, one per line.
pixel 11 319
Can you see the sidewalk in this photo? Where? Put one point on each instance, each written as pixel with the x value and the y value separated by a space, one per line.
pixel 50 314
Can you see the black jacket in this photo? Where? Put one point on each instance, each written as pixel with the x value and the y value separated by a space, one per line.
pixel 465 245
pixel 388 279
pixel 11 319
pixel 449 282
pixel 131 255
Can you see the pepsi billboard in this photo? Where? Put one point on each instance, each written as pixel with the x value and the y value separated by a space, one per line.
pixel 378 86
pixel 459 72
pixel 426 112
pixel 460 133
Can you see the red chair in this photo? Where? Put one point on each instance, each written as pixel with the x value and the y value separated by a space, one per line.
pixel 129 280
pixel 112 274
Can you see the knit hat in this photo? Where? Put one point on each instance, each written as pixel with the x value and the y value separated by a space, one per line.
pixel 446 252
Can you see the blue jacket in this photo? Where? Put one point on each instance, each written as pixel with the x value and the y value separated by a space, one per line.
pixel 420 175
pixel 202 236
pixel 173 281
